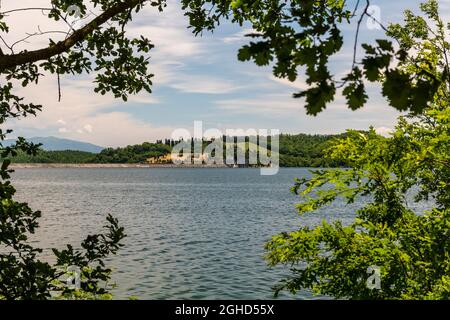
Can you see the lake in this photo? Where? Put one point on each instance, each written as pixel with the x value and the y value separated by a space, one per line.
pixel 192 233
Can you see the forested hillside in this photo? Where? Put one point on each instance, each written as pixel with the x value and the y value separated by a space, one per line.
pixel 303 150
pixel 66 156
pixel 299 150
pixel 132 154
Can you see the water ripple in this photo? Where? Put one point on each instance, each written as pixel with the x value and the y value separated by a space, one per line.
pixel 192 234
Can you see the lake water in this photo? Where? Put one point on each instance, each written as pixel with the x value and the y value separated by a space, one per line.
pixel 192 233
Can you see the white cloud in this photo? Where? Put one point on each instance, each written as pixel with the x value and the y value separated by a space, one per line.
pixel 128 130
pixel 298 84
pixel 267 105
pixel 108 129
pixel 168 32
pixel 25 22
pixel 384 131
pixel 276 108
pixel 88 128
pixel 80 112
pixel 239 36
pixel 144 98
pixel 170 42
pixel 179 62
pixel 175 75
pixel 204 84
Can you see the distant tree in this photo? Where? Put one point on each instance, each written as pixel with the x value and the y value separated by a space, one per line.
pixel 410 248
pixel 65 156
pixel 290 34
pixel 131 154
pixel 303 150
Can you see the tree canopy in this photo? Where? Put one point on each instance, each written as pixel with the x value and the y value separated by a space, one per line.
pixel 411 64
pixel 287 34
pixel 293 34
pixel 391 175
pixel 295 150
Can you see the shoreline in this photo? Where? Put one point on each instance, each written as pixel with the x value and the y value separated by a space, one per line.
pixel 106 165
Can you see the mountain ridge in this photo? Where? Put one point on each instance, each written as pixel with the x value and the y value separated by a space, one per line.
pixel 51 143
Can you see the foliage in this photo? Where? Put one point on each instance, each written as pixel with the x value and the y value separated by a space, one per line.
pixel 293 34
pixel 120 65
pixel 303 150
pixel 288 35
pixel 63 156
pixel 391 175
pixel 299 150
pixel 411 248
pixel 91 261
pixel 22 274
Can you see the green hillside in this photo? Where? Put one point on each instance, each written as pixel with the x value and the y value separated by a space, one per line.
pixel 299 150
pixel 66 156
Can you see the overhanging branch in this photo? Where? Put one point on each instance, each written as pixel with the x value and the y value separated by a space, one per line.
pixel 13 60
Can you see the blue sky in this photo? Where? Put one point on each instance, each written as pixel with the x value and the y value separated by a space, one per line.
pixel 195 79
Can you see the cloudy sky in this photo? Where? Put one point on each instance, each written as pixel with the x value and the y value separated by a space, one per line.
pixel 196 78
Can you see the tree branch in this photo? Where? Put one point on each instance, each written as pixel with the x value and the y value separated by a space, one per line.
pixel 30 35
pixel 358 28
pixel 24 9
pixel 13 60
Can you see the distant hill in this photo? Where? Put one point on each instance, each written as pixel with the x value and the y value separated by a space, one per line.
pixel 295 150
pixel 58 144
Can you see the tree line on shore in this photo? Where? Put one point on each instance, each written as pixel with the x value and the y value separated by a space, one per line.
pixel 296 150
